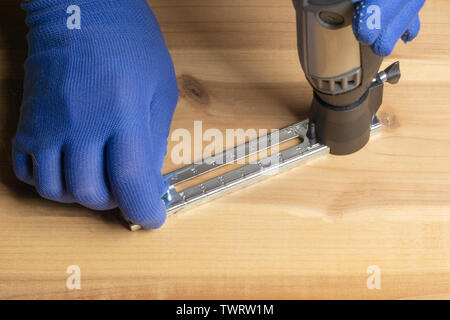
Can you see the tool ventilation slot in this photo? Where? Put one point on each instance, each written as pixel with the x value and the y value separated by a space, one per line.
pixel 339 84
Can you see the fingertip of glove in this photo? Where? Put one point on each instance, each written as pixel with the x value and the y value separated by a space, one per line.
pixel 382 49
pixel 154 220
pixel 23 166
pixel 413 30
pixel 145 209
pixel 154 226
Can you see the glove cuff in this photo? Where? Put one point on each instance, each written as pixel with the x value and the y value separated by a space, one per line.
pixel 61 23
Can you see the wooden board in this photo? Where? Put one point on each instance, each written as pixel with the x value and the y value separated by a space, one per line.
pixel 311 232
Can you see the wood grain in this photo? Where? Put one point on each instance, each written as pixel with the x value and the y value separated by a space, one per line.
pixel 311 232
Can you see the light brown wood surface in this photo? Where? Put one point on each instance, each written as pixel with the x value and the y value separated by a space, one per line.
pixel 311 232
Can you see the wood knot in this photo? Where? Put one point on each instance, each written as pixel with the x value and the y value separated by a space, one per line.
pixel 192 89
pixel 389 120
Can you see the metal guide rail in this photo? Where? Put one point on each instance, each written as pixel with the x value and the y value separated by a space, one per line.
pixel 180 200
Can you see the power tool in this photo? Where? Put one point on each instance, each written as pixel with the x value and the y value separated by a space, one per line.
pixel 348 91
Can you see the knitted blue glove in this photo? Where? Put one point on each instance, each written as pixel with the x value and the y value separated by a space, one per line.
pixel 100 92
pixel 397 19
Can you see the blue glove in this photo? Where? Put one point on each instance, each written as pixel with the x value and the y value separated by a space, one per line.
pixel 398 19
pixel 99 96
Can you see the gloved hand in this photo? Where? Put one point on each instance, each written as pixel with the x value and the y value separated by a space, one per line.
pixel 399 19
pixel 97 107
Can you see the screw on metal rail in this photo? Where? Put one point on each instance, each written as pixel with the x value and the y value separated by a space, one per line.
pixel 311 134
